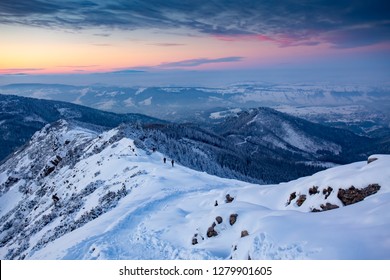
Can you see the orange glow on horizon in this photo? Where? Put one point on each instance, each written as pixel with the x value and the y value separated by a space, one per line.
pixel 34 51
pixel 37 51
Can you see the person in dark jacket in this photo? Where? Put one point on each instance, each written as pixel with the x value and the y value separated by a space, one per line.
pixel 173 162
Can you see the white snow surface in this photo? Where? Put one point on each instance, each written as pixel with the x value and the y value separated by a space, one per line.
pixel 129 102
pixel 167 207
pixel 224 114
pixel 105 105
pixel 146 102
pixel 140 90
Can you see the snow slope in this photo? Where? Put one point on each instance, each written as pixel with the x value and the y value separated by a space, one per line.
pixel 121 202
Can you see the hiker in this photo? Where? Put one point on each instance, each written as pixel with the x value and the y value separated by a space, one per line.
pixel 55 198
pixel 165 160
pixel 154 149
pixel 173 162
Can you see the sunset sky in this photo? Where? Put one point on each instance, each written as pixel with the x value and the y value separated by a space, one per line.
pixel 96 40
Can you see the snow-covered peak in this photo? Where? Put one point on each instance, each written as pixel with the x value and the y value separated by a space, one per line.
pixel 54 140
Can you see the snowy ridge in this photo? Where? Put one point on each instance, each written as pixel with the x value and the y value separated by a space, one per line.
pixel 118 201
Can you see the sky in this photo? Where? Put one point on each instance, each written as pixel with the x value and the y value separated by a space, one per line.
pixel 172 42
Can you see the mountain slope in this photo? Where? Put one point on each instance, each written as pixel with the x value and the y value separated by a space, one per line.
pixel 203 150
pixel 21 117
pixel 288 137
pixel 118 201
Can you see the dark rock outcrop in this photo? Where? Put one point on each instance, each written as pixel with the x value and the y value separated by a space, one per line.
pixel 195 239
pixel 354 195
pixel 292 197
pixel 56 161
pixel 327 192
pixel 244 233
pixel 229 199
pixel 325 207
pixel 301 199
pixel 328 206
pixel 11 181
pixel 211 232
pixel 233 219
pixel 219 219
pixel 313 190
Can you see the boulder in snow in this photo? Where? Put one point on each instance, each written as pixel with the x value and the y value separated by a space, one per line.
pixel 291 198
pixel 301 199
pixel 354 195
pixel 313 190
pixel 229 199
pixel 233 219
pixel 211 232
pixel 328 206
pixel 327 192
pixel 195 240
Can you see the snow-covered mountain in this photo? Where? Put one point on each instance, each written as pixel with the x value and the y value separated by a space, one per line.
pixel 267 131
pixel 74 193
pixel 193 145
pixel 255 145
pixel 21 117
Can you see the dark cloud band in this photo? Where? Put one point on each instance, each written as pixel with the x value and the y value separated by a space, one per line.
pixel 345 23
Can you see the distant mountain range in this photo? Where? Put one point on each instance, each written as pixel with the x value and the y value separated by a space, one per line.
pixel 363 110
